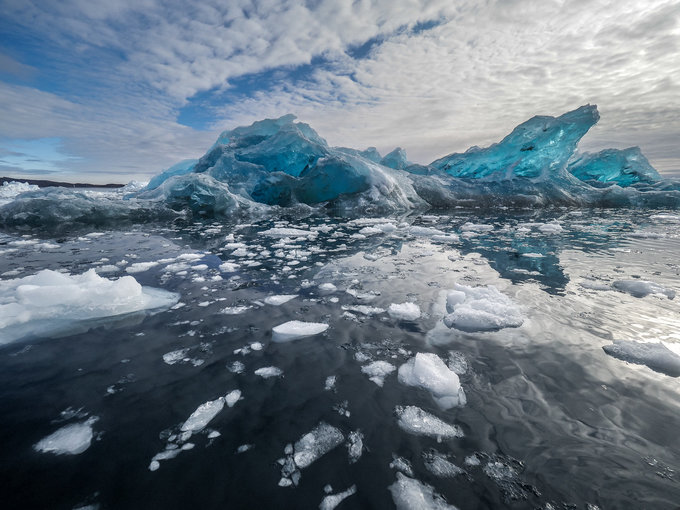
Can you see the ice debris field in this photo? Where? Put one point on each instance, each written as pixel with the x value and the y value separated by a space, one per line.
pixel 285 324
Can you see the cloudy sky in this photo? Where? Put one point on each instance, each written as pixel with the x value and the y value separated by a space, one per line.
pixel 111 90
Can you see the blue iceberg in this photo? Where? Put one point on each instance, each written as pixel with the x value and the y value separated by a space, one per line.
pixel 623 167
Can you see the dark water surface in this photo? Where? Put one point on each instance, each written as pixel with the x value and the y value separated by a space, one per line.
pixel 554 421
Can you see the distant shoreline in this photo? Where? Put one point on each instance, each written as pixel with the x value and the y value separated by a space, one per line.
pixel 42 183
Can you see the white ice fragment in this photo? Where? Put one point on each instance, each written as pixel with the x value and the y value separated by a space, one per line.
pixel 550 228
pixel 69 440
pixel 404 311
pixel 139 267
pixel 228 267
pixel 428 371
pixel 437 464
pixel 642 288
pixel 401 464
pixel 267 372
pixel 475 227
pixel 364 309
pixel 415 421
pixel 232 397
pixel 330 383
pixel 236 367
pixel 411 494
pixel 173 357
pixel 377 371
pixel 292 330
pixel 244 448
pixel 235 310
pixel 286 232
pixel 50 302
pixel 203 415
pixel 355 446
pixel 256 346
pixel 333 500
pixel 315 444
pixel 327 288
pixel 481 309
pixel 472 460
pixel 280 299
pixel 655 355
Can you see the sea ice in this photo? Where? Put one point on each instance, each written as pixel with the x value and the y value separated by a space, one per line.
pixel 333 500
pixel 232 397
pixel 415 421
pixel 481 309
pixel 411 494
pixel 404 311
pixel 293 330
pixel 355 446
pixel 267 372
pixel 437 464
pixel 69 440
pixel 280 299
pixel 428 371
pixel 315 444
pixel 51 302
pixel 655 355
pixel 642 288
pixel 377 371
pixel 200 418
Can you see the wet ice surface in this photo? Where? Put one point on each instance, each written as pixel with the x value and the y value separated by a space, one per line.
pixel 571 388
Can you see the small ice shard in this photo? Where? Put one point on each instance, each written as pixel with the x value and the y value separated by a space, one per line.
pixel 244 448
pixel 364 309
pixel 622 167
pixel 315 444
pixel 401 464
pixel 139 267
pixel 333 500
pixel 267 372
pixel 415 421
pixel 200 418
pixel 175 356
pixel 327 288
pixel 411 494
pixel 286 232
pixel 377 371
pixel 437 464
pixel 330 383
pixel 355 446
pixel 232 397
pixel 235 310
pixel 404 311
pixel 642 288
pixel 428 371
pixel 481 309
pixel 228 267
pixel 293 330
pixel 71 439
pixel 655 355
pixel 280 299
pixel 472 460
pixel 50 302
pixel 236 367
pixel 550 228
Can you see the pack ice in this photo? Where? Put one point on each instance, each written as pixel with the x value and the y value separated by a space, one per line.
pixel 50 302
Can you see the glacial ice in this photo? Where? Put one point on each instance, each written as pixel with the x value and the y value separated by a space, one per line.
pixel 481 309
pixel 200 418
pixel 315 444
pixel 267 372
pixel 333 500
pixel 404 311
pixel 622 167
pixel 10 190
pixel 292 330
pixel 377 371
pixel 411 494
pixel 69 440
pixel 440 466
pixel 50 302
pixel 415 421
pixel 428 371
pixel 642 288
pixel 656 355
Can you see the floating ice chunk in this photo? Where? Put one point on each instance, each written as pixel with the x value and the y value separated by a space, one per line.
pixel 244 448
pixel 550 228
pixel 333 500
pixel 437 464
pixel 425 231
pixel 415 421
pixel 428 371
pixel 476 227
pixel 364 310
pixel 50 302
pixel 228 267
pixel 69 440
pixel 235 310
pixel 236 367
pixel 642 288
pixel 287 232
pixel 279 300
pixel 200 418
pixel 623 167
pixel 481 309
pixel 404 311
pixel 327 288
pixel 330 382
pixel 267 372
pixel 139 267
pixel 315 444
pixel 232 397
pixel 401 464
pixel 292 330
pixel 655 355
pixel 411 494
pixel 175 356
pixel 472 460
pixel 355 446
pixel 377 371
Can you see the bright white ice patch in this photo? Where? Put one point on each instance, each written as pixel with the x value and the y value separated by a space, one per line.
pixel 292 330
pixel 267 372
pixel 333 500
pixel 203 415
pixel 655 355
pixel 411 494
pixel 377 371
pixel 279 300
pixel 69 440
pixel 642 288
pixel 481 309
pixel 428 371
pixel 50 302
pixel 404 311
pixel 415 421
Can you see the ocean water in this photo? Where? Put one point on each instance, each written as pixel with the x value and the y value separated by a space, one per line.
pixel 554 416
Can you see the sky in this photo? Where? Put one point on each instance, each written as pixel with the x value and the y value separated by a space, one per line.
pixel 115 90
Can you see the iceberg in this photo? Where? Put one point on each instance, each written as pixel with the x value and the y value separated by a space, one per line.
pixel 623 167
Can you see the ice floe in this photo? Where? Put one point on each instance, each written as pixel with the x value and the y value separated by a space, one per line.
pixel 439 465
pixel 481 309
pixel 642 288
pixel 656 355
pixel 200 418
pixel 333 500
pixel 71 439
pixel 293 330
pixel 377 371
pixel 279 299
pixel 428 371
pixel 404 311
pixel 267 372
pixel 411 494
pixel 415 421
